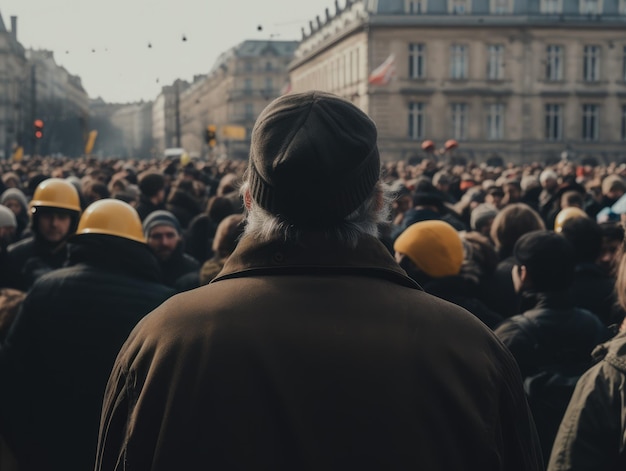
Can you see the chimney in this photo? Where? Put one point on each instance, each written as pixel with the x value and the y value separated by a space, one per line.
pixel 14 27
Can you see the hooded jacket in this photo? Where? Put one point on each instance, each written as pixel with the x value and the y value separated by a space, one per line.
pixel 592 435
pixel 59 352
pixel 314 356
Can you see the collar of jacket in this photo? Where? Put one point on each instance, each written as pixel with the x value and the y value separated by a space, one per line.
pixel 311 256
pixel 613 352
pixel 546 300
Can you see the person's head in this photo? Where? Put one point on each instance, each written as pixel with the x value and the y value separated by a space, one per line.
pixel 163 233
pixel 585 235
pixel 549 180
pixel 152 186
pixel 55 209
pixel 494 195
pixel 15 200
pixel 481 218
pixel 110 218
pixel 566 214
pixel 480 259
pixel 512 191
pixel 511 223
pixel 434 247
pixel 314 167
pixel 613 186
pixel 227 235
pixel 442 181
pixel 8 225
pixel 544 262
pixel 612 237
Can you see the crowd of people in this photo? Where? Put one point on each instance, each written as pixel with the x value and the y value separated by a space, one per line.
pixel 314 305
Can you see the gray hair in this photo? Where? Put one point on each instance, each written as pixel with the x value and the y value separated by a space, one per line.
pixel 364 220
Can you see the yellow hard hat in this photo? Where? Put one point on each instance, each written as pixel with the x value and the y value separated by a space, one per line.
pixel 565 215
pixel 111 217
pixel 55 193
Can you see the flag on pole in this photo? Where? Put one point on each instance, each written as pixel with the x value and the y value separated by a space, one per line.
pixel 91 140
pixel 383 74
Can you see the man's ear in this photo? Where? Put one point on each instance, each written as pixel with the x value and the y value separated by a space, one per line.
pixel 247 199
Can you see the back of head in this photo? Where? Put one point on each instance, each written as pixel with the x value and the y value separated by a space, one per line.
pixel 511 223
pixel 111 217
pixel 482 215
pixel 548 258
pixel 150 183
pixel 434 247
pixel 313 159
pixel 585 235
pixel 565 215
pixel 227 235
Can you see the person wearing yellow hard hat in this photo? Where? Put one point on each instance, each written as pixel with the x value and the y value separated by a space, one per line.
pixel 62 345
pixel 54 211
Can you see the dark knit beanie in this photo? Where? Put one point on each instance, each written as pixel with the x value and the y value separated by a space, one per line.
pixel 151 183
pixel 160 218
pixel 313 158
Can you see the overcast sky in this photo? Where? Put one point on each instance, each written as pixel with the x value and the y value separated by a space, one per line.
pixel 106 42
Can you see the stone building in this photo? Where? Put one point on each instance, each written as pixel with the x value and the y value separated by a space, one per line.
pixel 13 90
pixel 520 79
pixel 243 80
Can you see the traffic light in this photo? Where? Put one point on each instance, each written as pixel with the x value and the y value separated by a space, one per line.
pixel 209 135
pixel 38 128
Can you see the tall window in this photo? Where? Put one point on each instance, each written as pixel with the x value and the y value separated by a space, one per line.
pixel 459 7
pixel 624 64
pixel 554 62
pixel 554 122
pixel 247 86
pixel 415 7
pixel 551 6
pixel 269 84
pixel 591 63
pixel 495 62
pixel 500 7
pixel 590 122
pixel 417 62
pixel 458 120
pixel 249 110
pixel 590 7
pixel 458 61
pixel 495 121
pixel 416 120
pixel 623 122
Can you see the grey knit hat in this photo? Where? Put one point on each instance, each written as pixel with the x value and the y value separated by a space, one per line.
pixel 7 217
pixel 160 218
pixel 481 215
pixel 14 194
pixel 313 158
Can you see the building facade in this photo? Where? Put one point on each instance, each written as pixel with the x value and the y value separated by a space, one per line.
pixel 135 124
pixel 519 79
pixel 13 90
pixel 243 80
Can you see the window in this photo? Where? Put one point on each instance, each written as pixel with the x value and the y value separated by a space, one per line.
pixel 622 7
pixel 416 120
pixel 554 62
pixel 417 60
pixel 495 62
pixel 269 66
pixel 551 6
pixel 591 63
pixel 590 7
pixel 247 86
pixel 459 7
pixel 500 7
pixel 590 122
pixel 459 120
pixel 415 7
pixel 249 110
pixel 458 61
pixel 269 84
pixel 623 122
pixel 495 121
pixel 554 122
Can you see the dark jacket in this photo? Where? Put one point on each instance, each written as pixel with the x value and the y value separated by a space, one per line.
pixel 498 291
pixel 61 347
pixel 145 206
pixel 178 265
pixel 592 436
pixel 30 258
pixel 314 357
pixel 561 336
pixel 594 290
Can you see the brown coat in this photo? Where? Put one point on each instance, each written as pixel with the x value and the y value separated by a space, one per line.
pixel 314 357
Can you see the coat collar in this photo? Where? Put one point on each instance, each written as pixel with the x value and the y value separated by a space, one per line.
pixel 312 256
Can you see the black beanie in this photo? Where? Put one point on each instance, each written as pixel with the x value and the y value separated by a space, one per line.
pixel 313 158
pixel 151 183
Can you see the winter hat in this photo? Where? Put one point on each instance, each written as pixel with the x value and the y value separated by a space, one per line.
pixel 313 158
pixel 14 194
pixel 160 218
pixel 151 183
pixel 7 217
pixel 547 174
pixel 481 215
pixel 613 182
pixel 435 247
